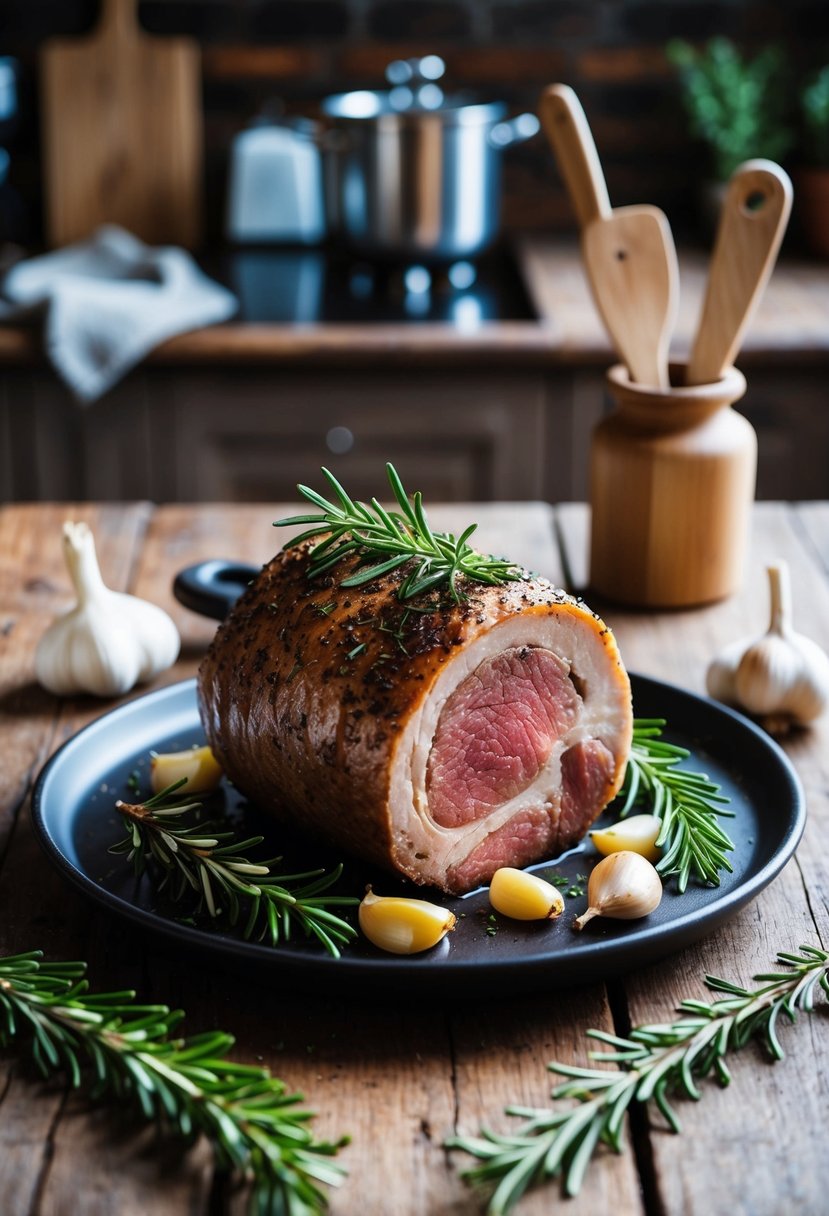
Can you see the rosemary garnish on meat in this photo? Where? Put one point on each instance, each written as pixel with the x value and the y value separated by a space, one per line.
pixel 652 1064
pixel 693 843
pixel 398 537
pixel 210 868
pixel 112 1046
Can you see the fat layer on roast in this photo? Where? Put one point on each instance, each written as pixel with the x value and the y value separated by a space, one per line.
pixel 532 823
pixel 322 703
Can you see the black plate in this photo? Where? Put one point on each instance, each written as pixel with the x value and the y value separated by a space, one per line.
pixel 75 822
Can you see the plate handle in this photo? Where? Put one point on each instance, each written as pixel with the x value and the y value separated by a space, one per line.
pixel 211 588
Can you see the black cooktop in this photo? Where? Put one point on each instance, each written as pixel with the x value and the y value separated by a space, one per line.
pixel 318 285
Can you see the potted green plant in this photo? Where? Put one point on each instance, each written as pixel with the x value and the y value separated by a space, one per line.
pixel 738 107
pixel 812 179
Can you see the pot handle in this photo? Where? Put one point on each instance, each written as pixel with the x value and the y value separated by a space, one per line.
pixel 514 130
pixel 211 588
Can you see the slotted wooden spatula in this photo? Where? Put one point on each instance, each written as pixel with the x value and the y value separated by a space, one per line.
pixel 752 223
pixel 628 252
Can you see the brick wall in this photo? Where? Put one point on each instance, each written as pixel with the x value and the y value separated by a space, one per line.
pixel 299 50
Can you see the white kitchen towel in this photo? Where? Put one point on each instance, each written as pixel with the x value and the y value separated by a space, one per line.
pixel 108 301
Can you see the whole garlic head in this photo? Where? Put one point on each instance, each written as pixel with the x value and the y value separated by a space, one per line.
pixel 108 642
pixel 781 677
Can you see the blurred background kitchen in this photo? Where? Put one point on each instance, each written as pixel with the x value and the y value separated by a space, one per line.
pixel 472 355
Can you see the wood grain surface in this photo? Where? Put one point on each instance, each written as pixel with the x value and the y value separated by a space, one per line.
pixel 568 133
pixel 630 260
pixel 684 465
pixel 400 1078
pixel 122 132
pixel 629 255
pixel 756 1146
pixel 754 215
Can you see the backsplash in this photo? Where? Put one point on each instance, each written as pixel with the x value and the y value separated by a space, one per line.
pixel 611 51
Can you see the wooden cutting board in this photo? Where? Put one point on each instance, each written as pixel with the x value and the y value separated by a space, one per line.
pixel 122 132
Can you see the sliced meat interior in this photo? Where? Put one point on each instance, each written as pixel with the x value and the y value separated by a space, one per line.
pixel 437 739
pixel 497 731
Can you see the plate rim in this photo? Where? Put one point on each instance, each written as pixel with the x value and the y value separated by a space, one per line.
pixel 576 964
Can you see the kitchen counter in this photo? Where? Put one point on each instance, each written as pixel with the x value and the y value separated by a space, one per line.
pixel 790 325
pixel 401 1076
pixel 476 409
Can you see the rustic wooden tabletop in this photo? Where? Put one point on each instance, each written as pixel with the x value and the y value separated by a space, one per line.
pixel 400 1077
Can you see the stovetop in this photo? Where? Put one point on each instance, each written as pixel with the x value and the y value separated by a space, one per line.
pixel 318 285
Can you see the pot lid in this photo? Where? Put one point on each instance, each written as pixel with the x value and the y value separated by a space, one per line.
pixel 414 91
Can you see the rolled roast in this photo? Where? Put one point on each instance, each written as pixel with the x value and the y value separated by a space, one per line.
pixel 438 739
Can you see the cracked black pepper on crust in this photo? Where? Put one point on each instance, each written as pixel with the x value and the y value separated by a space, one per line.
pixel 307 686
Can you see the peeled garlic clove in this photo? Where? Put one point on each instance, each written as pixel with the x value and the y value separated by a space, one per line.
pixel 636 835
pixel 523 896
pixel 623 886
pixel 403 926
pixel 198 766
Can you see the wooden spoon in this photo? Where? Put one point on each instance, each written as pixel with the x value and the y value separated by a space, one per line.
pixel 754 216
pixel 628 252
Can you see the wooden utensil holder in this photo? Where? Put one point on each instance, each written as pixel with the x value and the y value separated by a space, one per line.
pixel 672 483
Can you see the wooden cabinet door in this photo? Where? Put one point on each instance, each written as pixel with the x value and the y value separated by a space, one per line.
pixel 790 413
pixel 253 437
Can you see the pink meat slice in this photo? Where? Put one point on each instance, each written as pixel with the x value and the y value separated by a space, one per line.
pixel 587 771
pixel 496 733
pixel 325 724
pixel 522 839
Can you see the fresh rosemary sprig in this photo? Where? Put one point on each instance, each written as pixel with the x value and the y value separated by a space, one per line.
pixel 116 1047
pixel 197 860
pixel 653 1063
pixel 399 537
pixel 692 841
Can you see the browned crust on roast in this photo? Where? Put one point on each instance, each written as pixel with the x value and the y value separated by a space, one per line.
pixel 307 686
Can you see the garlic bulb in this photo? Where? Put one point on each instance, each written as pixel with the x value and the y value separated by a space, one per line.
pixel 782 677
pixel 623 886
pixel 108 642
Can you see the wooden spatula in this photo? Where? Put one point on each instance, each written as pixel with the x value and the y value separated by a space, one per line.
pixel 122 131
pixel 752 223
pixel 628 252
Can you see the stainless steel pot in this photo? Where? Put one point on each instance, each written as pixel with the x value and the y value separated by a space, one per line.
pixel 413 175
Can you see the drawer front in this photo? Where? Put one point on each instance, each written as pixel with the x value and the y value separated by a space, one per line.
pixel 453 438
pixel 791 417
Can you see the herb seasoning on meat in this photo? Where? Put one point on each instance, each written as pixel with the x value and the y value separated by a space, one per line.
pixel 485 724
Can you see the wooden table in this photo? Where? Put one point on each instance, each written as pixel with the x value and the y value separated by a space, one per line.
pixel 399 1078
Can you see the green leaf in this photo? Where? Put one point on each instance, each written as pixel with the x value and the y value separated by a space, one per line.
pixel 216 870
pixel 400 494
pixel 371 572
pixel 345 502
pixel 246 1115
pixel 653 1064
pixel 369 530
pixel 688 803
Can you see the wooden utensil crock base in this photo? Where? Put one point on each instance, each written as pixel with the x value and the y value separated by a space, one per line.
pixel 672 482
